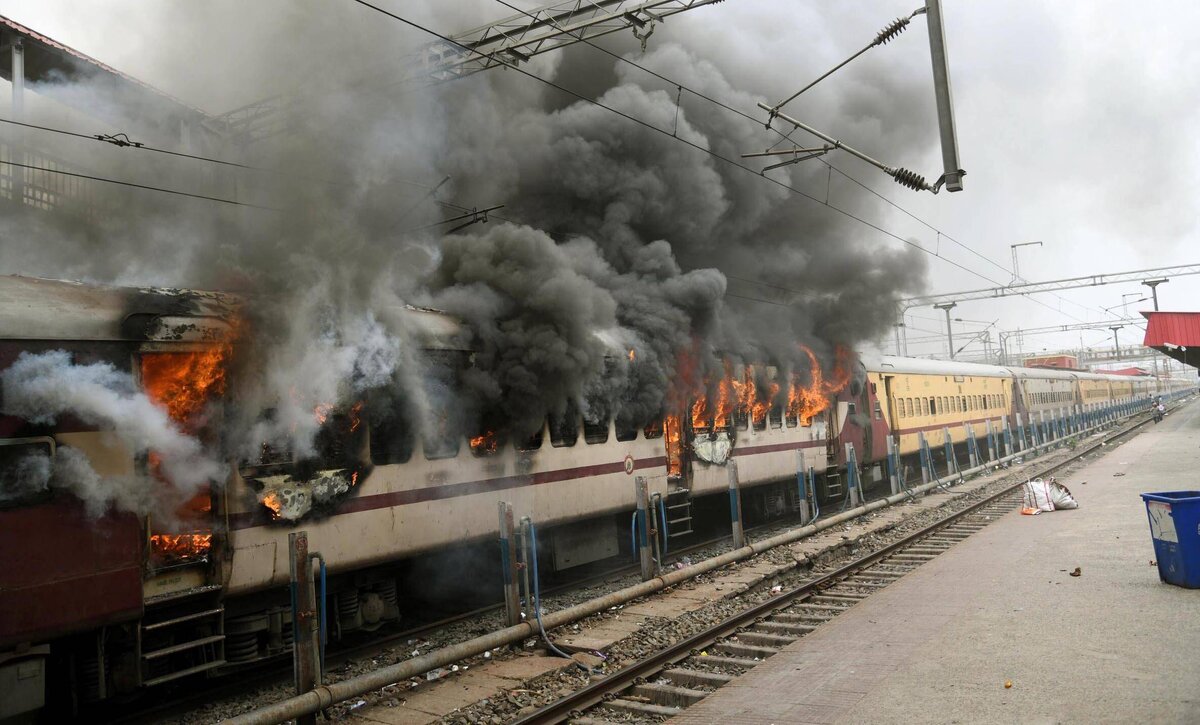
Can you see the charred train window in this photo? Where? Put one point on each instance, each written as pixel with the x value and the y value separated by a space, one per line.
pixel 595 420
pixel 25 465
pixel 531 443
pixel 653 429
pixel 776 415
pixel 564 428
pixel 391 435
pixel 488 437
pixel 627 428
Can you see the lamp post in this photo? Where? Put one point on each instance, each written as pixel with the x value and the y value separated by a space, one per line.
pixel 1016 270
pixel 947 306
pixel 1153 285
pixel 1116 342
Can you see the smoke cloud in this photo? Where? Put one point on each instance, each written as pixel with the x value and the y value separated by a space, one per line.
pixel 41 388
pixel 613 238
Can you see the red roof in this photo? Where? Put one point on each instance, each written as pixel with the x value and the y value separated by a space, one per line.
pixel 1176 334
pixel 1125 371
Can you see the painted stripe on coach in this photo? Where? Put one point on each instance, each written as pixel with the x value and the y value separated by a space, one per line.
pixel 259 517
pixel 939 426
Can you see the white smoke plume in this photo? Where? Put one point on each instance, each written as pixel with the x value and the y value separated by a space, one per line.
pixel 43 387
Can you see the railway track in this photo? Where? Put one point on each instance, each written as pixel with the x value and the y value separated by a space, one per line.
pixel 676 677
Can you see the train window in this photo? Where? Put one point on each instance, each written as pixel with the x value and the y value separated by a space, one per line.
pixel 595 421
pixel 851 409
pixel 440 441
pixel 564 429
pixel 791 419
pixel 776 415
pixel 933 408
pixel 532 443
pixel 25 471
pixel 653 429
pixel 962 403
pixel 627 430
pixel 878 411
pixel 391 437
pixel 595 431
pixel 911 409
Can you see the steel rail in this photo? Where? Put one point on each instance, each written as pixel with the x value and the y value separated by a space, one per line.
pixel 569 707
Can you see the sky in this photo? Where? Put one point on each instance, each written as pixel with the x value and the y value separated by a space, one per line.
pixel 1075 120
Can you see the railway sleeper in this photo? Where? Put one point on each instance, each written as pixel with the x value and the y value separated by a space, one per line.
pixel 846 600
pixel 687 677
pixel 788 627
pixel 822 613
pixel 745 651
pixel 669 695
pixel 765 639
pixel 641 708
pixel 866 582
pixel 744 663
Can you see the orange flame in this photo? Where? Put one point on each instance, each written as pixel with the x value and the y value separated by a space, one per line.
pixel 273 502
pixel 632 355
pixel 184 383
pixel 673 439
pixel 181 546
pixel 485 444
pixel 805 402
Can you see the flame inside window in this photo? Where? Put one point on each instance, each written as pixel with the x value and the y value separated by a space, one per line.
pixel 184 383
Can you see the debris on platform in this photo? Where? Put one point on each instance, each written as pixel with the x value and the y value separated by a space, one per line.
pixel 1049 495
pixel 1008 684
pixel 1078 572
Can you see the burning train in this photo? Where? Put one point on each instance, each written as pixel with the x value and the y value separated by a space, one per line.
pixel 101 602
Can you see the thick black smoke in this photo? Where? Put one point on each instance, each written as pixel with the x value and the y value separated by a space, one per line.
pixel 620 238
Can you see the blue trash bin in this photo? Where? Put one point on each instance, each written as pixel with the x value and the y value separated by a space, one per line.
pixel 1175 527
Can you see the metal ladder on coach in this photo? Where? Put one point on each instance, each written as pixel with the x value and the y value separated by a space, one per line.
pixel 183 644
pixel 679 512
pixel 833 483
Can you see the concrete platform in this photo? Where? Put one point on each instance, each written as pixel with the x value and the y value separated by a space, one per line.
pixel 1112 645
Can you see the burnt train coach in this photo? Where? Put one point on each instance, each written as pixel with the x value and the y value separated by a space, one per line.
pixel 100 603
pixel 103 603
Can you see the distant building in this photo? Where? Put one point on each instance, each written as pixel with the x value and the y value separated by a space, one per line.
pixel 1066 362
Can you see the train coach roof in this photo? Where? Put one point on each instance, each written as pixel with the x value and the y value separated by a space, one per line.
pixel 923 366
pixel 32 308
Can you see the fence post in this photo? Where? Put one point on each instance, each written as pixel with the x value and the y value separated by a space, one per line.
pixel 893 465
pixel 972 446
pixel 735 505
pixel 304 619
pixel 923 455
pixel 951 462
pixel 802 486
pixel 508 568
pixel 852 476
pixel 645 556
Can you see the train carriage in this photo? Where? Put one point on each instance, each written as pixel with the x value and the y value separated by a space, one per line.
pixel 111 602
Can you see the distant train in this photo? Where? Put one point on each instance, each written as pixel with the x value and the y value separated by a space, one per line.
pixel 100 608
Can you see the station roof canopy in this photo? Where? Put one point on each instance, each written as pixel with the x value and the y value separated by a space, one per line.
pixel 1175 334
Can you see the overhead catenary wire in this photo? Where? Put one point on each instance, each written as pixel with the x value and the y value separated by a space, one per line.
pixel 125 142
pixel 134 185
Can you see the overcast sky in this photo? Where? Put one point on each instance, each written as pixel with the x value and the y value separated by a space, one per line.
pixel 1077 126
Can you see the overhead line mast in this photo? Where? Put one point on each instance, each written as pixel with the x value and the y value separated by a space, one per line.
pixel 509 41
